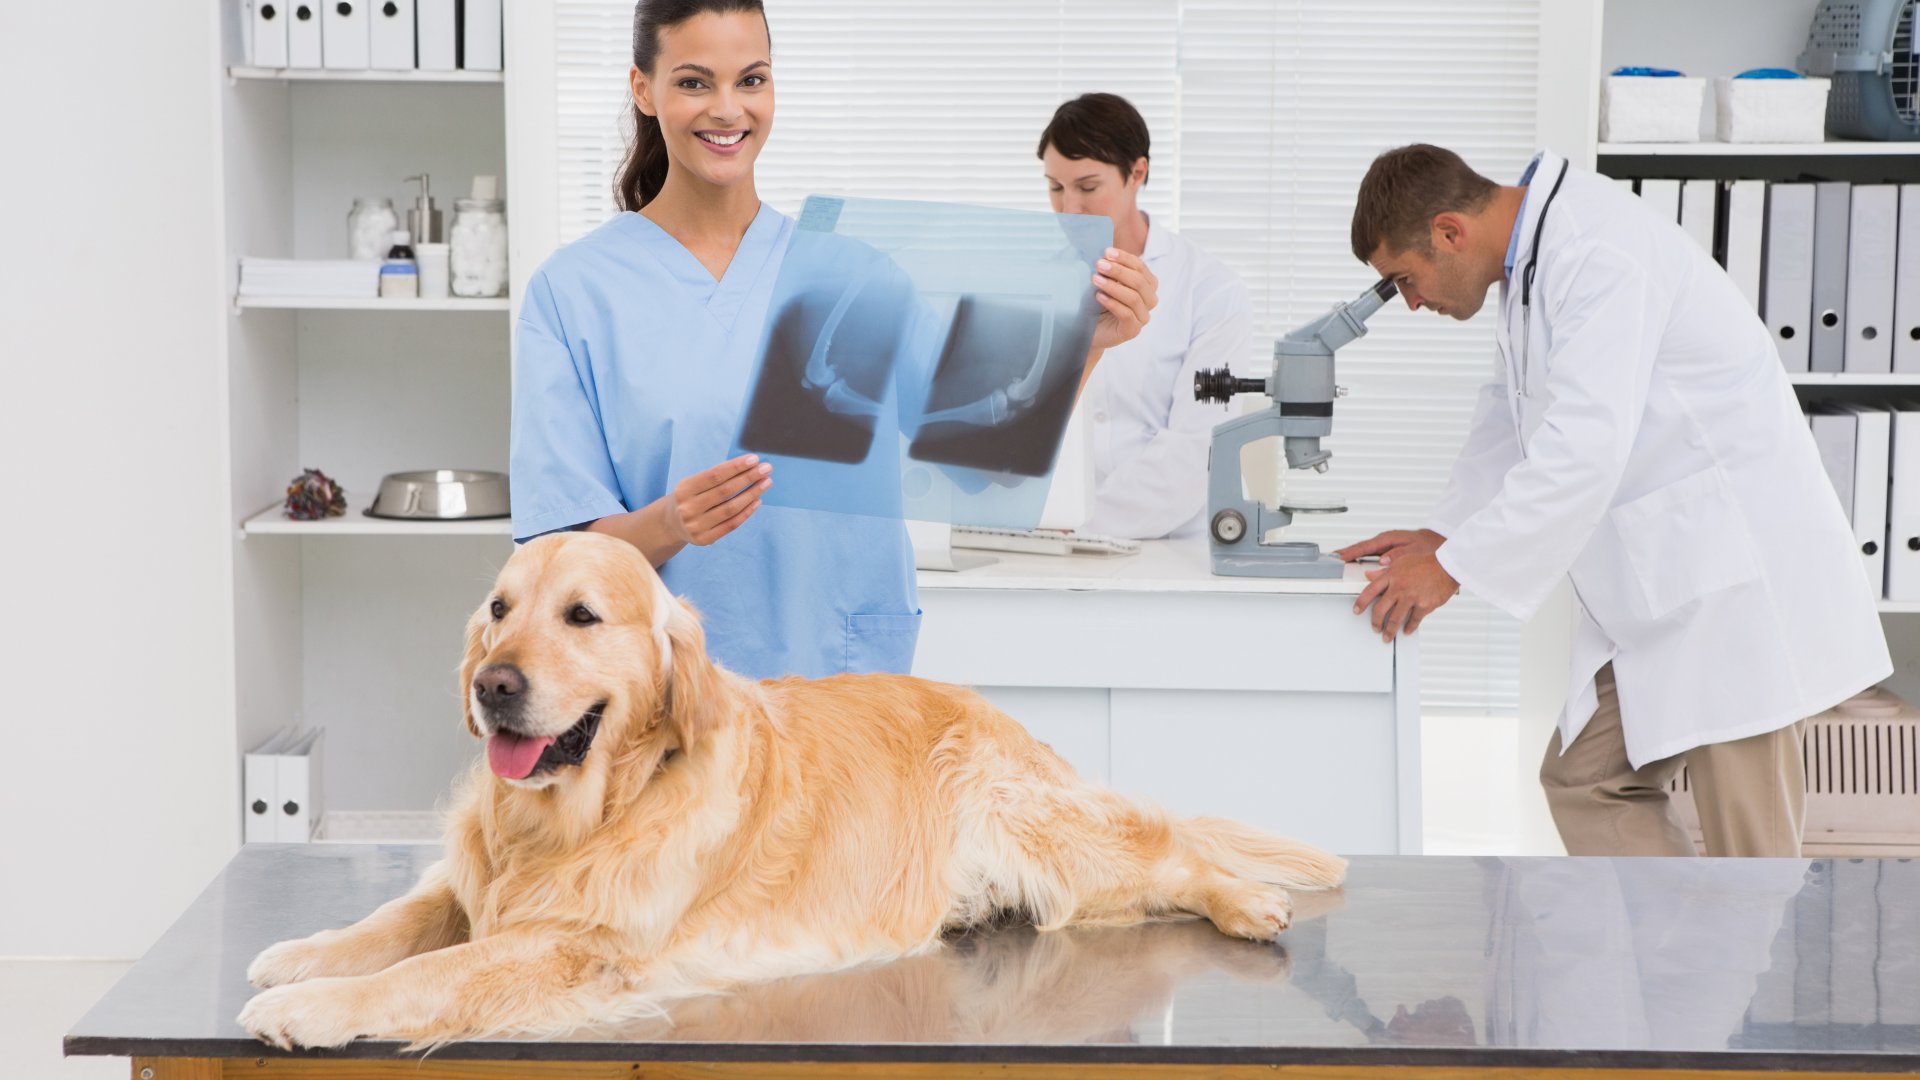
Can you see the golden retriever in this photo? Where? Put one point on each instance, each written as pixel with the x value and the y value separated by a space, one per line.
pixel 649 825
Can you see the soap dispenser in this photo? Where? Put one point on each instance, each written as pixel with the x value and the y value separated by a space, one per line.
pixel 423 221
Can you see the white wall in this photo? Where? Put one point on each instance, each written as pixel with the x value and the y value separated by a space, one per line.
pixel 117 804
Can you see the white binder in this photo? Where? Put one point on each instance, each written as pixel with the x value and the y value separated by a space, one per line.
pixel 1663 197
pixel 344 38
pixel 1870 269
pixel 1746 229
pixel 392 35
pixel 1872 456
pixel 480 31
pixel 1835 432
pixel 303 34
pixel 298 779
pixel 1832 203
pixel 267 23
pixel 259 788
pixel 437 34
pixel 1786 273
pixel 1697 203
pixel 1903 506
pixel 1906 285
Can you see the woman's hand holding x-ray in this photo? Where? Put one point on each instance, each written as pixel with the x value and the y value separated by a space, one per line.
pixel 710 504
pixel 1127 292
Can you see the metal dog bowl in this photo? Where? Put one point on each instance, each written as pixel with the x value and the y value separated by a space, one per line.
pixel 441 495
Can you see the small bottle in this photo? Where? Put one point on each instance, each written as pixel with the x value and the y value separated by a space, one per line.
pixel 399 275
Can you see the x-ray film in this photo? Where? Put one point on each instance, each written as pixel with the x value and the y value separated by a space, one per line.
pixel 921 359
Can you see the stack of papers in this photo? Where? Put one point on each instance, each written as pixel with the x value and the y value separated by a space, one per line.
pixel 350 278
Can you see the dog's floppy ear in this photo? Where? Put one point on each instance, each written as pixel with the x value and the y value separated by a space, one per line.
pixel 696 697
pixel 469 665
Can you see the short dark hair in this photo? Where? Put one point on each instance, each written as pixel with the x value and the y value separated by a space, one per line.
pixel 1405 189
pixel 1100 127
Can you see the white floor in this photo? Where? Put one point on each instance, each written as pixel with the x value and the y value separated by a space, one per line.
pixel 39 1001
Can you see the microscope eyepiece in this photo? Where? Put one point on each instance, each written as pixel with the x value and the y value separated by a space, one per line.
pixel 1221 384
pixel 1385 289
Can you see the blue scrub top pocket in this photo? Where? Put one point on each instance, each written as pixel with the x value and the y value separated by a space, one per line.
pixel 881 644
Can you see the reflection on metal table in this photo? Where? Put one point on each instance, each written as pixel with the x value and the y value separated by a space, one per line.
pixel 1434 967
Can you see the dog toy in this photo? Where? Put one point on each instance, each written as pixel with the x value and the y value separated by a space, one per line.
pixel 313 495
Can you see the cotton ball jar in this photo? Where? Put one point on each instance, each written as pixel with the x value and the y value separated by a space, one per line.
pixel 478 240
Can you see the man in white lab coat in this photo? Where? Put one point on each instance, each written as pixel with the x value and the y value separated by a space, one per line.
pixel 1640 437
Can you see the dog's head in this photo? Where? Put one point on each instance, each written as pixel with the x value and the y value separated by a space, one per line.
pixel 579 655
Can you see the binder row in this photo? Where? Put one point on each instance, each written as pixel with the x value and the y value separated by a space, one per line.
pixel 386 35
pixel 1832 268
pixel 1872 455
pixel 280 787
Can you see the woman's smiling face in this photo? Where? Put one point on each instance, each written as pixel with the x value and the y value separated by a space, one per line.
pixel 712 91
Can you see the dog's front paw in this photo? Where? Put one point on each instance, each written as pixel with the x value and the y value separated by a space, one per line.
pixel 1252 910
pixel 288 962
pixel 317 1013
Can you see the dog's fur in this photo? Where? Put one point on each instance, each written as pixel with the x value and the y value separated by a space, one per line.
pixel 720 831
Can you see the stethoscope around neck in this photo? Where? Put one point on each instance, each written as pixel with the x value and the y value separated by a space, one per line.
pixel 1526 285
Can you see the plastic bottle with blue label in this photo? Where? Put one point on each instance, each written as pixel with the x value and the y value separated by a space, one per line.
pixel 400 273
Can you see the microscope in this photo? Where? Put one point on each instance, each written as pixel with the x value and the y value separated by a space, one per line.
pixel 1302 390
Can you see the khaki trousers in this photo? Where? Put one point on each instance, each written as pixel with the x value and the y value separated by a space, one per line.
pixel 1751 793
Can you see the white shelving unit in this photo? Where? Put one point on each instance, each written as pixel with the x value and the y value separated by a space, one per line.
pixel 354 623
pixel 1831 379
pixel 272 521
pixel 370 76
pixel 337 303
pixel 1834 148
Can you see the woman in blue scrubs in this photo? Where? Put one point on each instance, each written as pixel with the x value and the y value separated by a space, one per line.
pixel 635 348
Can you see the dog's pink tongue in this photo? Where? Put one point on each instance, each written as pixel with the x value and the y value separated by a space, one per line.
pixel 513 756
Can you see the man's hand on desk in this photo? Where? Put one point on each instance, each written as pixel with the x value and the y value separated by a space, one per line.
pixel 1410 584
pixel 1393 544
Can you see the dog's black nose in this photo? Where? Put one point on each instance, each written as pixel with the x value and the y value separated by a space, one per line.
pixel 499 685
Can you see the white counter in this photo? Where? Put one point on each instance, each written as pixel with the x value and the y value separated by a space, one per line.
pixel 1266 700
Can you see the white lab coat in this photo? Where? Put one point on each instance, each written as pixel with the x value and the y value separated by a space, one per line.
pixel 1648 444
pixel 1149 436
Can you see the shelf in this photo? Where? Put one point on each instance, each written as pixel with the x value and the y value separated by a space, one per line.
pixel 1838 147
pixel 1802 378
pixel 381 827
pixel 271 522
pixel 1900 607
pixel 367 75
pixel 350 303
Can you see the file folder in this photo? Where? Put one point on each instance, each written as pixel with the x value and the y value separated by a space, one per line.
pixel 1786 275
pixel 267 21
pixel 1870 269
pixel 303 34
pixel 259 788
pixel 1872 456
pixel 1903 506
pixel 392 35
pixel 1663 198
pixel 1746 229
pixel 1697 203
pixel 1906 286
pixel 344 37
pixel 1832 223
pixel 437 34
pixel 1835 433
pixel 480 34
pixel 298 780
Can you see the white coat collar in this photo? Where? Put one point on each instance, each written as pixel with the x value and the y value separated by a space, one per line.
pixel 1159 240
pixel 1546 169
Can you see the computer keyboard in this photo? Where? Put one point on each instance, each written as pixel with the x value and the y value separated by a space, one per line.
pixel 1041 541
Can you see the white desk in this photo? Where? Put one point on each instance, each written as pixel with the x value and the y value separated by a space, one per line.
pixel 1264 700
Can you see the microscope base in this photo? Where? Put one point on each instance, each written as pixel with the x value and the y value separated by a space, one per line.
pixel 1290 560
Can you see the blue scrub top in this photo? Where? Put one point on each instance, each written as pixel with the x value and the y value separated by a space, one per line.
pixel 631 370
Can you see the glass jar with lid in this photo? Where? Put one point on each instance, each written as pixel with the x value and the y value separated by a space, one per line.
pixel 369 224
pixel 478 242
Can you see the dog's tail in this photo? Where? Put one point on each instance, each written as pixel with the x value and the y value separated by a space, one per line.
pixel 1246 852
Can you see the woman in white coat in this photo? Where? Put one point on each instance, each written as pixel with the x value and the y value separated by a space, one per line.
pixel 1641 437
pixel 1150 437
